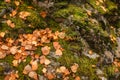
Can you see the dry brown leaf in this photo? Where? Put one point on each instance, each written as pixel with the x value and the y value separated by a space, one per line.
pixel 42 59
pixel 17 3
pixel 7 1
pixel 43 39
pixel 66 72
pixel 58 52
pixel 50 76
pixel 45 50
pixel 27 69
pixel 4 47
pixel 24 14
pixel 33 75
pixel 47 62
pixel 34 65
pixel 2 34
pixel 14 12
pixel 2 55
pixel 61 35
pixel 11 76
pixel 28 47
pixel 18 56
pixel 43 14
pixel 44 70
pixel 56 45
pixel 13 50
pixel 74 68
pixel 77 78
pixel 62 69
pixel 15 63
pixel 10 23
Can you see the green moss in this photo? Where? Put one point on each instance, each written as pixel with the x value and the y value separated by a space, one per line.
pixel 109 70
pixel 21 67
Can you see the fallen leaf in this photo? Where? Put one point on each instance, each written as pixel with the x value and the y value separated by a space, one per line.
pixel 17 3
pixel 74 68
pixel 61 35
pixel 58 52
pixel 27 69
pixel 28 47
pixel 44 70
pixel 50 76
pixel 77 78
pixel 4 47
pixel 62 69
pixel 13 50
pixel 33 75
pixel 56 45
pixel 34 65
pixel 2 34
pixel 2 55
pixel 11 76
pixel 45 50
pixel 43 14
pixel 47 62
pixel 14 12
pixel 10 23
pixel 15 63
pixel 66 72
pixel 24 14
pixel 42 59
pixel 7 1
pixel 18 56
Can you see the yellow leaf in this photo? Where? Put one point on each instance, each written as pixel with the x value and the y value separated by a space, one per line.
pixel 17 3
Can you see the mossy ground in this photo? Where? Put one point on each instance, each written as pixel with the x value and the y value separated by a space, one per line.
pixel 73 48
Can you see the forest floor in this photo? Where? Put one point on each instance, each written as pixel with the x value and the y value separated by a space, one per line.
pixel 47 40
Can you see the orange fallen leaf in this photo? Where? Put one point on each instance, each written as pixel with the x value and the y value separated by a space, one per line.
pixel 10 23
pixel 27 69
pixel 18 56
pixel 43 39
pixel 15 63
pixel 47 62
pixel 58 52
pixel 7 1
pixel 56 45
pixel 2 34
pixel 17 3
pixel 50 76
pixel 11 76
pixel 66 72
pixel 43 14
pixel 13 50
pixel 2 55
pixel 45 50
pixel 77 78
pixel 62 69
pixel 34 65
pixel 42 59
pixel 33 75
pixel 24 14
pixel 74 68
pixel 28 47
pixel 61 35
pixel 44 70
pixel 14 12
pixel 4 47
